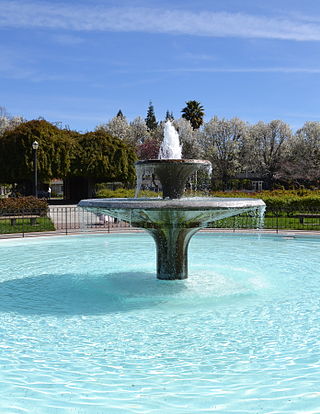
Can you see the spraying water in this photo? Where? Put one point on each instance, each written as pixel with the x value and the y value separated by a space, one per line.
pixel 170 147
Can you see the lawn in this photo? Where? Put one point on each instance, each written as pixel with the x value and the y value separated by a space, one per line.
pixel 24 226
pixel 280 222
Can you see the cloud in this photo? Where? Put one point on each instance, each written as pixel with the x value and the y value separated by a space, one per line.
pixel 31 14
pixel 284 70
pixel 68 40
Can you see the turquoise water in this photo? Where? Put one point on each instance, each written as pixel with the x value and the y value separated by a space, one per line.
pixel 85 326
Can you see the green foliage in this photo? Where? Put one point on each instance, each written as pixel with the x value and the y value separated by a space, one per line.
pixel 124 193
pixel 151 120
pixel 24 226
pixel 16 153
pixel 286 201
pixel 169 116
pixel 193 112
pixel 25 204
pixel 102 157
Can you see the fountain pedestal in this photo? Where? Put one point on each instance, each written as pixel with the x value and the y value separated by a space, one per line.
pixel 172 251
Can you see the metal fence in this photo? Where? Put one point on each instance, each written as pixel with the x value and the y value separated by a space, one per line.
pixel 63 220
pixel 72 219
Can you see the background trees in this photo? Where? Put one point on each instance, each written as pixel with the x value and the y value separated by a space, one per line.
pixel 16 154
pixel 80 158
pixel 267 151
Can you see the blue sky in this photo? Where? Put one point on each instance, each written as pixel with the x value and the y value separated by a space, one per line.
pixel 79 62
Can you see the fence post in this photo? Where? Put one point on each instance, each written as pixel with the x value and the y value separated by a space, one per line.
pixel 66 219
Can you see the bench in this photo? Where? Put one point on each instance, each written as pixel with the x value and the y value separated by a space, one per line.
pixel 13 219
pixel 302 217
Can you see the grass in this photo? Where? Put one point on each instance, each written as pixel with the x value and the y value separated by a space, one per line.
pixel 24 226
pixel 270 222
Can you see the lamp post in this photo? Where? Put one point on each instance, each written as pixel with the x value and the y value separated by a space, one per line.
pixel 35 146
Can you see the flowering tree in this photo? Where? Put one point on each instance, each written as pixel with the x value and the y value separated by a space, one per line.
pixel 221 143
pixel 269 143
pixel 138 131
pixel 189 138
pixel 8 122
pixel 302 162
pixel 118 127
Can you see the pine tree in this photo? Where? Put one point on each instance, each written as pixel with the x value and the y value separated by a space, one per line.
pixel 120 114
pixel 169 116
pixel 194 113
pixel 151 120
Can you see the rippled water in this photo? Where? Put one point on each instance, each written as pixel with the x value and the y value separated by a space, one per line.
pixel 85 327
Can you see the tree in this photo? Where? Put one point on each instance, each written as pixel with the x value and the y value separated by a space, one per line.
pixel 16 154
pixel 189 138
pixel 120 114
pixel 98 157
pixel 151 121
pixel 103 157
pixel 269 143
pixel 221 143
pixel 194 113
pixel 8 122
pixel 148 150
pixel 169 116
pixel 302 162
pixel 118 127
pixel 139 132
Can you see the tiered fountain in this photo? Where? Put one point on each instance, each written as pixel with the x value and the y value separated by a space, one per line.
pixel 172 220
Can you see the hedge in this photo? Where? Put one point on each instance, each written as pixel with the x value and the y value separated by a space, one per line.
pixel 283 201
pixel 26 205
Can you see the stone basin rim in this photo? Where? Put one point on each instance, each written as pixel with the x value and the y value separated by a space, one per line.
pixel 172 161
pixel 193 203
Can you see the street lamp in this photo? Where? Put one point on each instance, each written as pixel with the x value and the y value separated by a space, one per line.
pixel 35 146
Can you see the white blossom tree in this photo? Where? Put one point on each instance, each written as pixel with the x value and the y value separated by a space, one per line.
pixel 222 141
pixel 189 138
pixel 302 163
pixel 8 122
pixel 139 132
pixel 269 144
pixel 118 127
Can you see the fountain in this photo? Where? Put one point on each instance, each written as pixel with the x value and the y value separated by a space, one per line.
pixel 172 220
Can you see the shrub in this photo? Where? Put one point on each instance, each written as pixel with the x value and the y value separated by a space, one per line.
pixel 23 204
pixel 124 193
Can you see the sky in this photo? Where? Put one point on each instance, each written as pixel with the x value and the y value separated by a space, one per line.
pixel 78 62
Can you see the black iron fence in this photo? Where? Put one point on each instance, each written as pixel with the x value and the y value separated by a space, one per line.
pixel 66 220
pixel 72 219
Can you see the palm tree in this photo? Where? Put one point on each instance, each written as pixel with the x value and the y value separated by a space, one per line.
pixel 194 113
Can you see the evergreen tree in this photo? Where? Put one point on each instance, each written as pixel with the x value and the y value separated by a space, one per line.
pixel 169 116
pixel 194 113
pixel 120 114
pixel 151 118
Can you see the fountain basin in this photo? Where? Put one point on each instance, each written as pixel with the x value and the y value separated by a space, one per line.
pixel 172 223
pixel 172 173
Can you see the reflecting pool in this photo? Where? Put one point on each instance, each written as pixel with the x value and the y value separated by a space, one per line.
pixel 85 326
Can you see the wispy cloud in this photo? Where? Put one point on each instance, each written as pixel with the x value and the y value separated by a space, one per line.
pixel 15 13
pixel 284 70
pixel 67 39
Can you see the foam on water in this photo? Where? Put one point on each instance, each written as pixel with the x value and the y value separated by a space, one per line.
pixel 85 326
